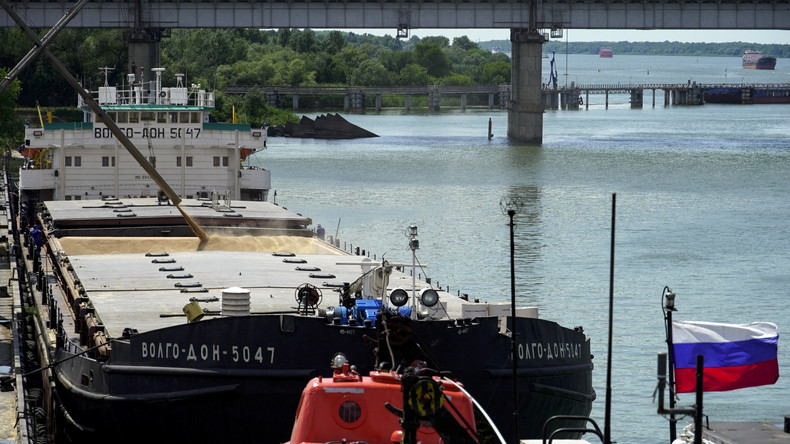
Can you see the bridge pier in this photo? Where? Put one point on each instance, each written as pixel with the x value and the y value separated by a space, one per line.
pixel 407 103
pixel 491 101
pixel 378 103
pixel 346 103
pixel 525 109
pixel 295 101
pixel 273 100
pixel 551 99
pixel 637 96
pixel 144 52
pixel 504 96
pixel 434 99
pixel 358 101
pixel 463 102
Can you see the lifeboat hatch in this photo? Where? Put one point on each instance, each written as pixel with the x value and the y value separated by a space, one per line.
pixel 350 413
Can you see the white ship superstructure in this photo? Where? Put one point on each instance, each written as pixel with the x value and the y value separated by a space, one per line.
pixel 170 126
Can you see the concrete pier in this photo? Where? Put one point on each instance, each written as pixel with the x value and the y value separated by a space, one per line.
pixel 144 53
pixel 525 109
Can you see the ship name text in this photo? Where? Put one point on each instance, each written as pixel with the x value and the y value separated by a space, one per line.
pixel 549 350
pixel 207 352
pixel 149 133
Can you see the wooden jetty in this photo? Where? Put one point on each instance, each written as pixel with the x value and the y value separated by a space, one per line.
pixel 569 97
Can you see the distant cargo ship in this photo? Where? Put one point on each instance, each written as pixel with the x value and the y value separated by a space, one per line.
pixel 605 52
pixel 754 60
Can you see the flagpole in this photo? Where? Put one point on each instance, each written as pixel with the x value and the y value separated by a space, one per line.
pixel 607 432
pixel 668 303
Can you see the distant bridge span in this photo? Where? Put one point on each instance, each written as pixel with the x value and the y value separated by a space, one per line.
pixel 405 15
pixel 531 23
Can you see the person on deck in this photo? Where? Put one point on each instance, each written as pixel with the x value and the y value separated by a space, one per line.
pixel 38 237
pixel 320 232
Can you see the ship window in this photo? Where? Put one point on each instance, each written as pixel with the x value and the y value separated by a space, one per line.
pixel 216 161
pixel 67 161
pixel 224 161
pixel 123 117
pixel 183 117
pixel 134 117
pixel 161 117
pixel 178 161
pixel 196 118
pixel 111 115
pixel 147 115
pixel 189 161
pixel 172 117
pixel 105 161
pixel 77 161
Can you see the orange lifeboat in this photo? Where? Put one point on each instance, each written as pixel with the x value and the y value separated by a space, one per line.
pixel 355 408
pixel 29 152
pixel 245 152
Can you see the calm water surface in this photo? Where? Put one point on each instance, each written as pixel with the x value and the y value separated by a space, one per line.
pixel 703 206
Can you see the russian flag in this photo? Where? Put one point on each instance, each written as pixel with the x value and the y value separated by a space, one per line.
pixel 736 355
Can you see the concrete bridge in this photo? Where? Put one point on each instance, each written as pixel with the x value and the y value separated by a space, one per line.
pixel 531 23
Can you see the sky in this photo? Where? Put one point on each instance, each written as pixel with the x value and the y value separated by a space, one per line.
pixel 584 35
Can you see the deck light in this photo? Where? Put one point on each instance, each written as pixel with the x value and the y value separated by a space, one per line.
pixel 429 297
pixel 338 360
pixel 399 297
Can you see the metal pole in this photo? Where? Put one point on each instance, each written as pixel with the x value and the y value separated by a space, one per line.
pixel 698 407
pixel 671 379
pixel 607 415
pixel 514 353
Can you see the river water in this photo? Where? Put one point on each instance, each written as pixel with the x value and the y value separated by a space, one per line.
pixel 703 206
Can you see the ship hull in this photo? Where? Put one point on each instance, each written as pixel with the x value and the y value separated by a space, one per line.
pixel 723 95
pixel 241 378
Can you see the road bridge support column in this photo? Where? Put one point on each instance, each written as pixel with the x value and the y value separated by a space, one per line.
pixel 525 109
pixel 144 53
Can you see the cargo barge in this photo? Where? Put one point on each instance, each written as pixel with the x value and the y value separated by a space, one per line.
pixel 151 333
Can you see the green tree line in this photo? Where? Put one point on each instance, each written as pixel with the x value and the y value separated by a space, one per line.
pixel 216 58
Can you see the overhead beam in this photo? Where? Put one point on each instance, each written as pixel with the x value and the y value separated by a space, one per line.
pixel 457 14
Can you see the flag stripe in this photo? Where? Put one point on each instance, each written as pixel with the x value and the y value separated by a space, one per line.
pixel 727 378
pixel 726 354
pixel 699 331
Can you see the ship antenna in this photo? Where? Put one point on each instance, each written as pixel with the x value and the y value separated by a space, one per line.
pixel 106 72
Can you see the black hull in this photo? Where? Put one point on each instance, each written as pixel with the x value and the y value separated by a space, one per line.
pixel 202 395
pixel 723 95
